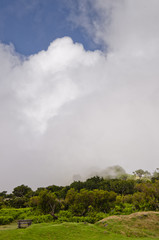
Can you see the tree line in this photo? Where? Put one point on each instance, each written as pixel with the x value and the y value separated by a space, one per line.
pixel 122 195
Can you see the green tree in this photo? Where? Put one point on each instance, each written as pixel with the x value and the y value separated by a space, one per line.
pixel 155 175
pixel 3 194
pixel 77 185
pixel 34 201
pixel 141 173
pixel 48 203
pixel 95 182
pixel 71 196
pixel 81 202
pixel 122 186
pixel 103 201
pixel 22 191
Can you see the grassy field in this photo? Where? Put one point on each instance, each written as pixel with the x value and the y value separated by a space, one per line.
pixel 133 227
pixel 141 224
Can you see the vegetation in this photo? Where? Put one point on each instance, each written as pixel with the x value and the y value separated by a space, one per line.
pixel 115 204
pixel 131 227
pixel 83 201
pixel 69 231
pixel 141 224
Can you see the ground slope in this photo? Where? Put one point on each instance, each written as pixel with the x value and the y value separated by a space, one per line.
pixel 141 224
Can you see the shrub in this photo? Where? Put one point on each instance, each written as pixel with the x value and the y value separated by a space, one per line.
pixel 6 220
pixel 42 218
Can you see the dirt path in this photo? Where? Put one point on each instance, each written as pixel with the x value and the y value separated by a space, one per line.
pixel 9 226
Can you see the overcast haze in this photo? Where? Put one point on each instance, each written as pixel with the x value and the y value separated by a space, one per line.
pixel 72 108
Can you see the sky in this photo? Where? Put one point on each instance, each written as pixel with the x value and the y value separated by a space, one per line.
pixel 79 89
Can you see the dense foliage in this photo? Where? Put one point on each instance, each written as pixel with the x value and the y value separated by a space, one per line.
pixel 87 201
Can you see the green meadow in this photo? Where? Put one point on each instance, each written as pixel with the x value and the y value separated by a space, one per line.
pixel 68 231
pixel 139 226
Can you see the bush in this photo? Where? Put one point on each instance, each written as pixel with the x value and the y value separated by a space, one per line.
pixel 92 217
pixel 6 220
pixel 8 215
pixel 66 214
pixel 42 218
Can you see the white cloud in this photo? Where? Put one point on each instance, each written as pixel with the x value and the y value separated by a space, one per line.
pixel 48 80
pixel 34 91
pixel 88 108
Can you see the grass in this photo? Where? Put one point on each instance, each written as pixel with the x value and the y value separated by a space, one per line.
pixel 63 231
pixel 9 226
pixel 136 226
pixel 141 224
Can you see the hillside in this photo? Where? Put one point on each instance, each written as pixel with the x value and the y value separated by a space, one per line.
pixel 141 224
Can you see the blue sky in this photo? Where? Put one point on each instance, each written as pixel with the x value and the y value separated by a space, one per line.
pixel 31 25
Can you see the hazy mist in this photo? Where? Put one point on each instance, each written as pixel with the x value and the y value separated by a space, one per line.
pixel 67 111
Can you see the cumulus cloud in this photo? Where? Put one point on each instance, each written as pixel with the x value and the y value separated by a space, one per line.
pixel 48 80
pixel 35 90
pixel 65 111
